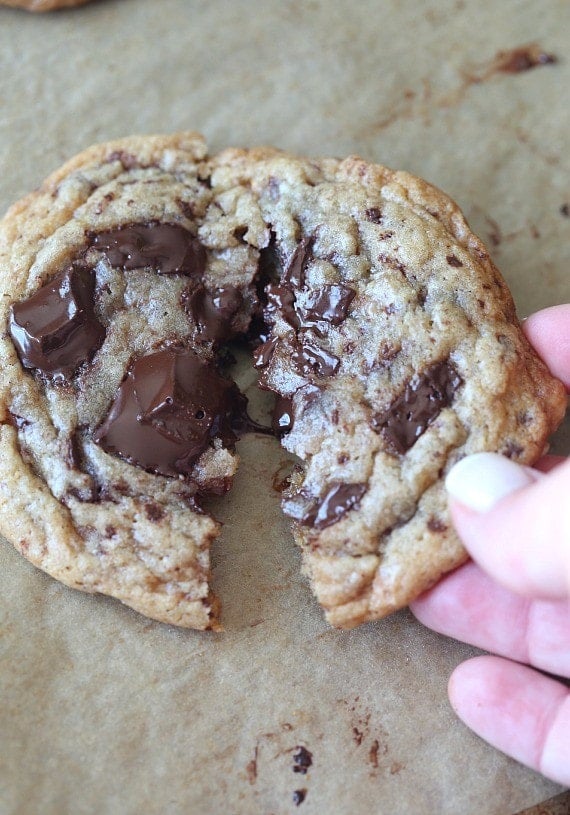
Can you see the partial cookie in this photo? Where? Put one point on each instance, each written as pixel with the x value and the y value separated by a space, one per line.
pixel 115 418
pixel 42 5
pixel 395 350
pixel 389 337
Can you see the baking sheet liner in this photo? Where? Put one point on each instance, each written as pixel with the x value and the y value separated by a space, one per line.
pixel 104 710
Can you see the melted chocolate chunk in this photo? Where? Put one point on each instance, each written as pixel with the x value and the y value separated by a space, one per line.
pixel 281 300
pixel 55 330
pixel 263 353
pixel 167 410
pixel 294 274
pixel 421 402
pixel 283 417
pixel 168 248
pixel 281 297
pixel 329 303
pixel 214 311
pixel 337 502
pixel 310 358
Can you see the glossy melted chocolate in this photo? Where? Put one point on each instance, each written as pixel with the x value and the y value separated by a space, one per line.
pixel 213 312
pixel 167 248
pixel 421 402
pixel 55 330
pixel 263 353
pixel 294 274
pixel 329 303
pixel 283 417
pixel 311 358
pixel 339 499
pixel 172 403
pixel 167 410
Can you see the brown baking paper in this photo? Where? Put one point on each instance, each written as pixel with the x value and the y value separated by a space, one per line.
pixel 105 711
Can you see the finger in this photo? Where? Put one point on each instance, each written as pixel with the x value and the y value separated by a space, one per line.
pixel 549 332
pixel 515 522
pixel 470 607
pixel 520 711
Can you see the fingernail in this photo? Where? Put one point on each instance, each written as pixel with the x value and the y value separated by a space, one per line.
pixel 480 480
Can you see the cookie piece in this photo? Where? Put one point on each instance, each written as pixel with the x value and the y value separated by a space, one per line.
pixel 389 338
pixel 395 350
pixel 42 5
pixel 116 417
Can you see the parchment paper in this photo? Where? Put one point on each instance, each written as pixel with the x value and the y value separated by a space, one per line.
pixel 104 711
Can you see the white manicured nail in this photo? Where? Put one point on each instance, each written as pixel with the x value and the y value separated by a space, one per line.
pixel 480 480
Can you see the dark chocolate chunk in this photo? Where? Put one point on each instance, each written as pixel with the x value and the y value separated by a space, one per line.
pixel 420 403
pixel 283 417
pixel 453 260
pixel 302 760
pixel 55 330
pixel 310 358
pixel 281 300
pixel 339 499
pixel 214 311
pixel 167 410
pixel 294 274
pixel 263 353
pixel 299 796
pixel 329 303
pixel 436 525
pixel 374 215
pixel 168 248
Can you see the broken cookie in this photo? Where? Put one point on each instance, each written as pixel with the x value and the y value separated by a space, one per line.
pixel 378 320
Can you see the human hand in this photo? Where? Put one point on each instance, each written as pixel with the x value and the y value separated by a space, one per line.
pixel 513 599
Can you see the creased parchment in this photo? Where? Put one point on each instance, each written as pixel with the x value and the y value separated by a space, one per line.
pixel 105 711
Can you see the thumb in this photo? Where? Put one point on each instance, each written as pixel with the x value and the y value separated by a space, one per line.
pixel 515 522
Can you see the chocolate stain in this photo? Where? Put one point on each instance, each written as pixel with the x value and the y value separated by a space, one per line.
pixel 299 796
pixel 302 760
pixel 422 103
pixel 251 766
pixel 523 58
pixel 373 753
pixel 371 740
pixel 494 234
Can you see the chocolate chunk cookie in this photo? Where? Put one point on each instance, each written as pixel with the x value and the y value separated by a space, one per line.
pixel 42 5
pixel 378 320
